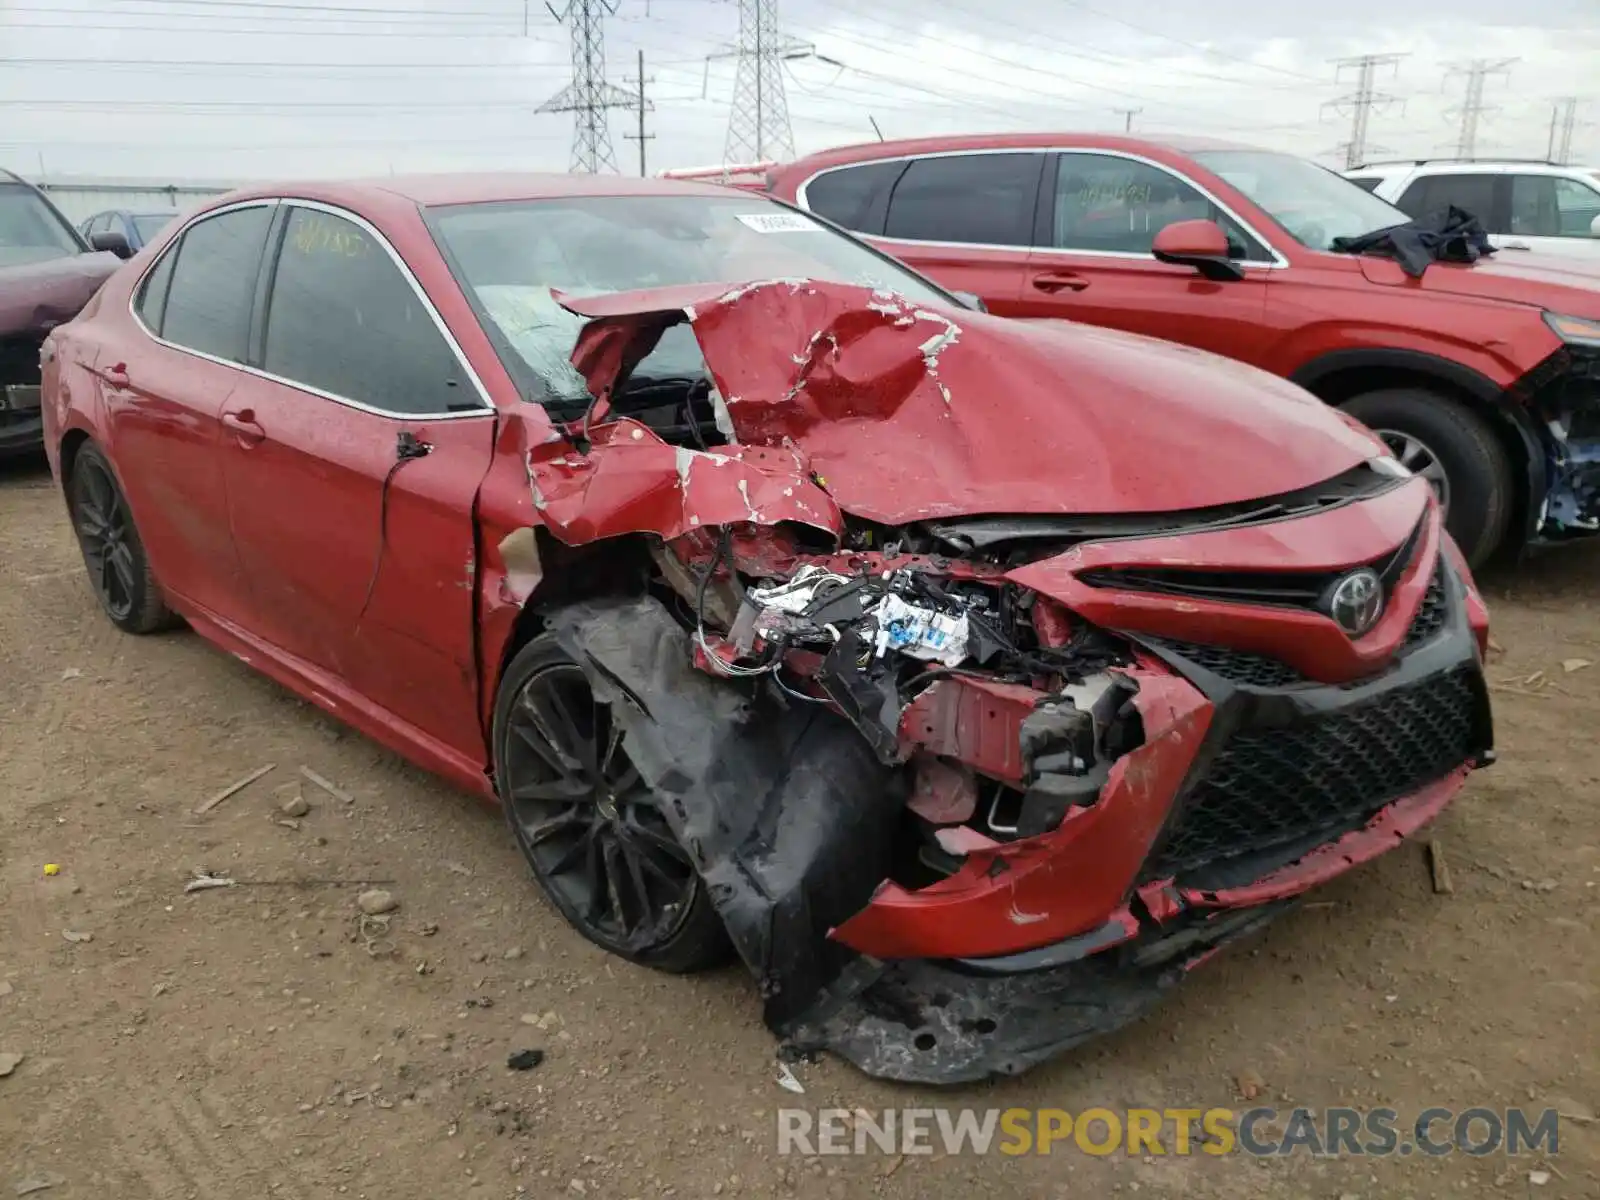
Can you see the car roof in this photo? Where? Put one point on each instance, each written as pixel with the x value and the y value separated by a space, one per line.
pixel 481 188
pixel 1173 143
pixel 1456 165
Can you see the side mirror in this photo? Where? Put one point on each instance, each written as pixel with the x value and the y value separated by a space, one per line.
pixel 1198 244
pixel 971 300
pixel 112 240
pixel 1594 227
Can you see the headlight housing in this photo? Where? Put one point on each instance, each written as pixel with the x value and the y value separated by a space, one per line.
pixel 1575 331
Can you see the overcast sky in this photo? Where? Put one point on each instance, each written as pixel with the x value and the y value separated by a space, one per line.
pixel 238 89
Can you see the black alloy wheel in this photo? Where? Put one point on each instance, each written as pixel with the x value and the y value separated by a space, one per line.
pixel 588 825
pixel 119 569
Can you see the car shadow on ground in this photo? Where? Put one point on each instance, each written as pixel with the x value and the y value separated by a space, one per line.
pixel 1550 573
pixel 24 470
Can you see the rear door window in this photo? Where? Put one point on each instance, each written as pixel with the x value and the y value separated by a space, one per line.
pixel 214 283
pixel 850 196
pixel 1551 206
pixel 973 199
pixel 344 320
pixel 1475 193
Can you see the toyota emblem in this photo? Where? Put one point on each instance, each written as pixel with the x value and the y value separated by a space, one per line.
pixel 1356 602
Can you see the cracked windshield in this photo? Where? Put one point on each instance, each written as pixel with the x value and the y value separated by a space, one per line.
pixel 513 256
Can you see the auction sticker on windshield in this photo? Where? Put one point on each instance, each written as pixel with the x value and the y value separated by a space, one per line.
pixel 779 222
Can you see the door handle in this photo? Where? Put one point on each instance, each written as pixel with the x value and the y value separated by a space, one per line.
pixel 1059 281
pixel 243 426
pixel 117 376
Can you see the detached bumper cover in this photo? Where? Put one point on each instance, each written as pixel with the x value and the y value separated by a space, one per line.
pixel 922 1021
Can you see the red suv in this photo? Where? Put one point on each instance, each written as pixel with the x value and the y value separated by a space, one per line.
pixel 1483 377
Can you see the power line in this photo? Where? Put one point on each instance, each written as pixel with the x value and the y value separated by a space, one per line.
pixel 1362 101
pixel 1472 108
pixel 1026 61
pixel 432 33
pixel 588 95
pixel 274 7
pixel 1207 50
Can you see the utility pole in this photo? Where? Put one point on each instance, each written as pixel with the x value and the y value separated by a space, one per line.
pixel 758 120
pixel 1361 102
pixel 643 106
pixel 1128 114
pixel 1472 108
pixel 588 95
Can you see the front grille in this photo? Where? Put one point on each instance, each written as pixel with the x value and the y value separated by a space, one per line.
pixel 1432 612
pixel 1275 787
pixel 1259 670
pixel 1236 666
pixel 1231 587
pixel 1285 589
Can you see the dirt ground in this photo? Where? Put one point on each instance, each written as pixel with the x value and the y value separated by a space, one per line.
pixel 258 1041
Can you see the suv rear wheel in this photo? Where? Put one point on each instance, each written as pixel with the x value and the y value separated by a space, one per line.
pixel 1454 449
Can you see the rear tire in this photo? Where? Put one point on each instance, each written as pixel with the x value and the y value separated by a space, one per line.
pixel 1458 452
pixel 590 829
pixel 113 552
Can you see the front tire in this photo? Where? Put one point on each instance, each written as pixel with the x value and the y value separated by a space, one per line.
pixel 589 827
pixel 1456 451
pixel 119 569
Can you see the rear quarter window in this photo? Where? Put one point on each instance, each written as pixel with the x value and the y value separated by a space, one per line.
pixel 851 196
pixel 1367 183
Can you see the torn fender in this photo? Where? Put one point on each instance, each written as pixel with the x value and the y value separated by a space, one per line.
pixel 787 813
pixel 631 481
pixel 914 411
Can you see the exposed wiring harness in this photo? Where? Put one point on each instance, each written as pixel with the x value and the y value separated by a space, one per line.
pixel 714 660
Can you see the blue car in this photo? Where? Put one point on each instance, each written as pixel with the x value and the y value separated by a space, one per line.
pixel 138 227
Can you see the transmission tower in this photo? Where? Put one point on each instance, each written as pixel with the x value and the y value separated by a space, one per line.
pixel 589 95
pixel 1361 102
pixel 758 122
pixel 1565 113
pixel 1472 108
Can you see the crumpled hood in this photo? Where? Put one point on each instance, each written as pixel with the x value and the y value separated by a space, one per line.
pixel 1552 281
pixel 909 413
pixel 36 297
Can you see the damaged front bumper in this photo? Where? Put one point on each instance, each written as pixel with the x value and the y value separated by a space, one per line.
pixel 1241 797
pixel 1215 872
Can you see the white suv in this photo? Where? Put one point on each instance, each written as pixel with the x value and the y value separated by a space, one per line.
pixel 1524 205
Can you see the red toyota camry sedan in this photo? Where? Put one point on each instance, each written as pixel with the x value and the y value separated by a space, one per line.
pixel 972 679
